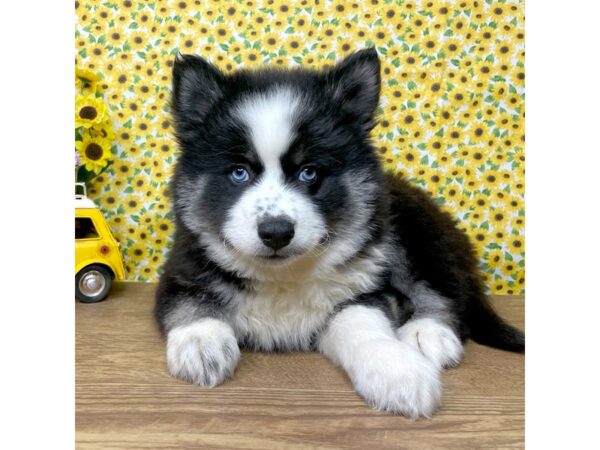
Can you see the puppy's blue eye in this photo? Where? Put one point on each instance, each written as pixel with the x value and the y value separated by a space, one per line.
pixel 308 175
pixel 239 175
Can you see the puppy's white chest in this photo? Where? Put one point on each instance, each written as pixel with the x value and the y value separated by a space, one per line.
pixel 285 316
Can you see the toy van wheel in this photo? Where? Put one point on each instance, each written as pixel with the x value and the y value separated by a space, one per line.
pixel 92 284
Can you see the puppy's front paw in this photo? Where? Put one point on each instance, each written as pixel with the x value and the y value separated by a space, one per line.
pixel 433 339
pixel 205 353
pixel 393 377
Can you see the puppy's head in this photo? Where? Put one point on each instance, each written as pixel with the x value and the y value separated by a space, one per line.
pixel 275 165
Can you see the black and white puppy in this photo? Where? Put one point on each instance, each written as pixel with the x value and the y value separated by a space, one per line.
pixel 289 236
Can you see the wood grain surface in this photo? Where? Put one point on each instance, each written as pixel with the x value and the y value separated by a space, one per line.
pixel 126 399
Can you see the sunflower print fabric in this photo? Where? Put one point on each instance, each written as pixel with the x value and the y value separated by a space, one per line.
pixel 451 116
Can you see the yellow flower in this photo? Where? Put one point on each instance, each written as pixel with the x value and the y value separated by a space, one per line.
pixel 490 179
pixel 460 26
pixel 408 120
pixel 410 60
pixel 458 97
pixel 430 46
pixel 251 58
pixel 453 193
pixel 86 75
pixel 144 90
pixel 137 40
pixel 454 135
pixel 498 11
pixel 271 41
pixel 515 244
pixel 139 182
pixel 344 46
pixel 517 222
pixel 143 126
pixel 146 218
pixel 418 22
pixel 137 252
pixel 503 51
pixel 478 131
pixel 484 70
pixel 495 258
pixel 300 23
pixel 434 179
pixel 95 152
pixel 109 200
pixel 158 174
pixel 165 147
pixel 508 268
pixel 499 218
pixel 452 47
pixel 116 37
pixel 499 287
pixel 163 227
pixel 89 111
pixel 293 45
pixel 499 91
pixel 222 33
pixel 132 203
pixel 104 130
pixel 381 35
pixel 513 100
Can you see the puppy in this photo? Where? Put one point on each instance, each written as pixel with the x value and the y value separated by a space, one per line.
pixel 289 236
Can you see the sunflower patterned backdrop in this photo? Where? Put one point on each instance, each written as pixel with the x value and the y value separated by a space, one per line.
pixel 451 116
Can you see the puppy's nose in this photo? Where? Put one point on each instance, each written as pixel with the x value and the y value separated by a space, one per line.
pixel 276 232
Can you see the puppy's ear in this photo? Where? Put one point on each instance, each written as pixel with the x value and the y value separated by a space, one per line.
pixel 197 86
pixel 355 83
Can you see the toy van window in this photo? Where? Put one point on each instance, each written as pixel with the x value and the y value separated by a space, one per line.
pixel 84 228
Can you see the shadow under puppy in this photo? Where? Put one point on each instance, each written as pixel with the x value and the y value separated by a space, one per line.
pixel 289 236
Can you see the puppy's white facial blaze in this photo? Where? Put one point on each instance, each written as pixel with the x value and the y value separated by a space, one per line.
pixel 270 121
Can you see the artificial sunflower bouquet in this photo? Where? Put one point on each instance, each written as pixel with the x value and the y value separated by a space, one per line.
pixel 94 133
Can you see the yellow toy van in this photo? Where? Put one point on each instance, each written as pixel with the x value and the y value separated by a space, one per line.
pixel 97 256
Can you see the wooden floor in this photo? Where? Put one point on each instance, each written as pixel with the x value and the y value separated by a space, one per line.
pixel 125 397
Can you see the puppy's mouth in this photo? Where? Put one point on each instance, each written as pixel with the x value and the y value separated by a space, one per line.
pixel 274 257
